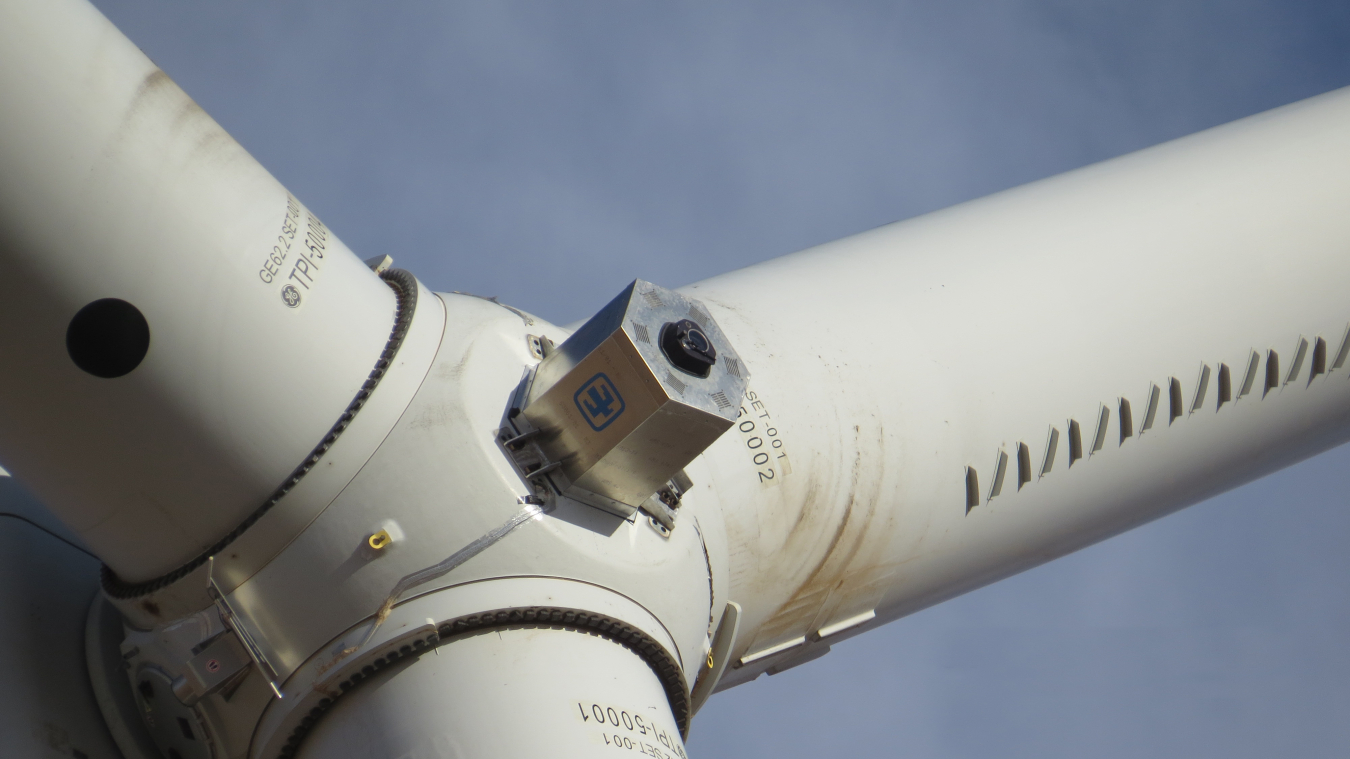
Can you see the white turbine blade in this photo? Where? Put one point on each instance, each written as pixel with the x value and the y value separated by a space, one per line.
pixel 896 368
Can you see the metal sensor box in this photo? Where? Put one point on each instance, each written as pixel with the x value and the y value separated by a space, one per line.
pixel 621 416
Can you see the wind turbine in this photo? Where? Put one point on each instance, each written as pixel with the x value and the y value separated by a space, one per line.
pixel 790 652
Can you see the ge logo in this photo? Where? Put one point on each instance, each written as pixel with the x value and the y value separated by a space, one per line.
pixel 599 402
pixel 213 665
pixel 290 296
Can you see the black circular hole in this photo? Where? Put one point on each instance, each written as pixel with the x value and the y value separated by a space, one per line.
pixel 108 338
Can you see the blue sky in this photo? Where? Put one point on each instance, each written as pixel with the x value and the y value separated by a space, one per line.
pixel 548 153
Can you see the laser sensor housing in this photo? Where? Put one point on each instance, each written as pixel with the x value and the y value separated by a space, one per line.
pixel 623 410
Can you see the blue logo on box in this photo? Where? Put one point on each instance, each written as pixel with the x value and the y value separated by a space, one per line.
pixel 599 402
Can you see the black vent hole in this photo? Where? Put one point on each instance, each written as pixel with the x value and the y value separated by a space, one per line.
pixel 108 338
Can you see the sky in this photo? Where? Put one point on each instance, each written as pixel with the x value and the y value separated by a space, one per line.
pixel 548 153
